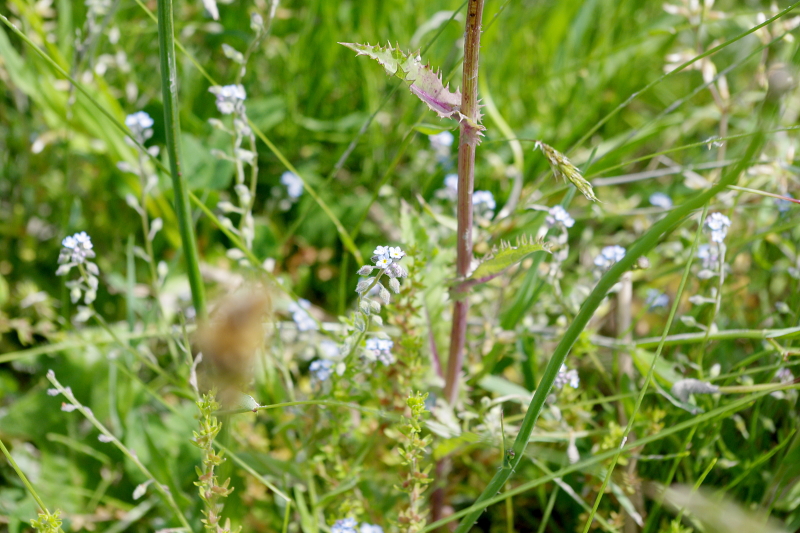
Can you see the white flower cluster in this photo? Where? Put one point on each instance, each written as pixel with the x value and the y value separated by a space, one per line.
pixel 608 256
pixel 709 257
pixel 230 98
pixel 75 252
pixel 718 225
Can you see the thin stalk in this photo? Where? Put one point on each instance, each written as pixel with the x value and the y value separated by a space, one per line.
pixel 169 90
pixel 466 182
pixel 643 245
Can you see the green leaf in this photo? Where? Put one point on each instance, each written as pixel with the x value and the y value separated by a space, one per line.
pixel 507 256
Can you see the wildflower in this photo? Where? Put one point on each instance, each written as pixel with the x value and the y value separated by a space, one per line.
pixel 345 525
pixel 75 251
pixel 396 253
pixel 655 299
pixel 293 183
pixel 718 224
pixel 301 316
pixel 229 97
pixel 451 182
pixel 102 437
pixel 68 407
pixel 567 377
pixel 659 199
pixel 140 123
pixel 709 256
pixel 558 216
pixel 608 256
pixel 441 140
pixel 483 198
pixel 381 349
pixel 785 375
pixel 386 258
pixel 321 369
pixel 369 528
pixel 329 349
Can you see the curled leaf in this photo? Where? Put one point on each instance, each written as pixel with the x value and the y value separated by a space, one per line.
pixel 423 81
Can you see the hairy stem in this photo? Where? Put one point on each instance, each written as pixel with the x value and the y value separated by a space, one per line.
pixel 466 182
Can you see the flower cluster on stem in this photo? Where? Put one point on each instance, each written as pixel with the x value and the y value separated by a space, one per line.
pixel 75 253
pixel 140 125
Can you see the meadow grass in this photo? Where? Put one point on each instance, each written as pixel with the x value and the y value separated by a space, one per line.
pixel 388 350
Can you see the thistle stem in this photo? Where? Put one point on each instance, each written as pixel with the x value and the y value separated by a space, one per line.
pixel 466 183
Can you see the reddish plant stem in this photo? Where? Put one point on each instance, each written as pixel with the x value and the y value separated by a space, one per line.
pixel 468 137
pixel 466 183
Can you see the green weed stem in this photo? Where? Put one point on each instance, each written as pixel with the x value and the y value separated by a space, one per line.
pixel 172 127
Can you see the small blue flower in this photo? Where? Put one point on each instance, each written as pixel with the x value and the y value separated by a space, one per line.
pixel 321 369
pixel 369 528
pixel 301 316
pixel 709 256
pixel 483 198
pixel 382 350
pixel 608 256
pixel 567 377
pixel 345 525
pixel 293 183
pixel 381 251
pixel 451 182
pixel 718 224
pixel 138 123
pixel 229 97
pixel 441 140
pixel 557 215
pixel 659 199
pixel 655 299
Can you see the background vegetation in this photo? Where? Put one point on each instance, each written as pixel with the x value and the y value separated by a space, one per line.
pixel 588 78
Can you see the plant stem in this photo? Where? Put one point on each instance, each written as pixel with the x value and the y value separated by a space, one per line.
pixel 466 182
pixel 169 90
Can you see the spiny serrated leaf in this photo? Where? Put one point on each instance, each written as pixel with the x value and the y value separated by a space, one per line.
pixel 505 257
pixel 423 81
pixel 563 169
